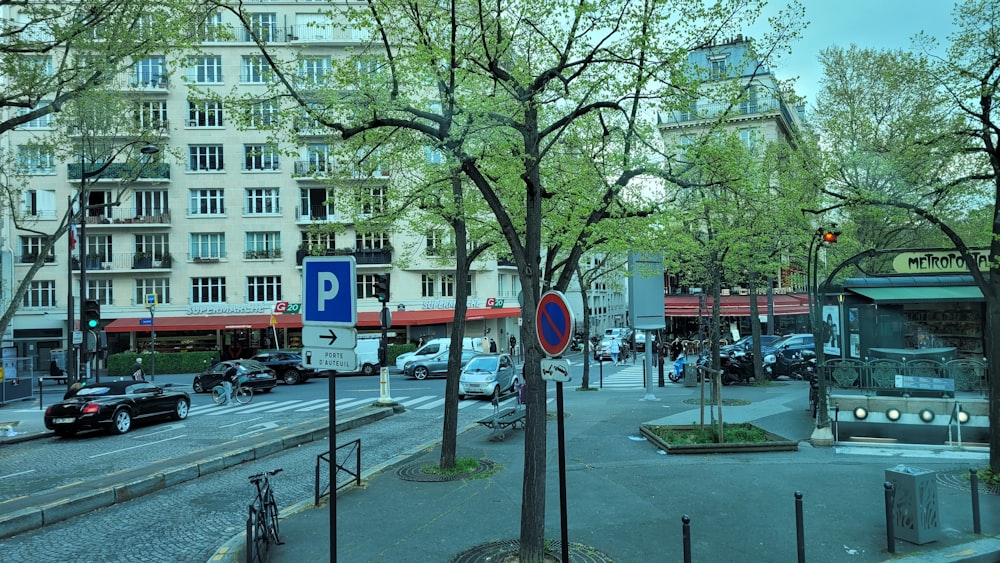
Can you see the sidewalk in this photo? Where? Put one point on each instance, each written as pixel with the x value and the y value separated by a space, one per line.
pixel 625 499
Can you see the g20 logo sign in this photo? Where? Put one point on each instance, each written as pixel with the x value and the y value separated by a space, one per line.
pixel 494 303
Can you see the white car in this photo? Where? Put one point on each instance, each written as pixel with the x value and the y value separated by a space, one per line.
pixel 488 375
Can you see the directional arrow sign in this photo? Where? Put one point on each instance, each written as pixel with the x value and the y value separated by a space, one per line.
pixel 323 336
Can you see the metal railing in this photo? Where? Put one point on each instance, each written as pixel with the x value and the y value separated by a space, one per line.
pixel 872 375
pixel 345 452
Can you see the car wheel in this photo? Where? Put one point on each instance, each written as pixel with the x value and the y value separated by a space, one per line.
pixel 65 432
pixel 420 372
pixel 368 369
pixel 180 410
pixel 197 386
pixel 513 385
pixel 121 421
pixel 461 396
pixel 291 377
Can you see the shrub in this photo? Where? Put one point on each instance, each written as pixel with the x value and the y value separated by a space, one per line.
pixel 120 365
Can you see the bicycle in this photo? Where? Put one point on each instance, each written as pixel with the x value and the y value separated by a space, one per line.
pixel 241 393
pixel 265 507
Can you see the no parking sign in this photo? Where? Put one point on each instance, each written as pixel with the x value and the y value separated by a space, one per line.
pixel 554 323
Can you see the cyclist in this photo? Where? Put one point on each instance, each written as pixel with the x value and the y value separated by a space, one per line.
pixel 228 379
pixel 137 373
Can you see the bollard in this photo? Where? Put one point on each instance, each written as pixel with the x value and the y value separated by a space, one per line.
pixel 686 534
pixel 890 530
pixel 800 535
pixel 974 483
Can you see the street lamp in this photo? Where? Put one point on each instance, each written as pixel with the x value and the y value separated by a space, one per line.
pixel 821 237
pixel 146 150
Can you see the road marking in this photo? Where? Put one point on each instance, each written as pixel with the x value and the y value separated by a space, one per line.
pixel 136 447
pixel 323 402
pixel 18 473
pixel 264 426
pixel 432 404
pixel 417 400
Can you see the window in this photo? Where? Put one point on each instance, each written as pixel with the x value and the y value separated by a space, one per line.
pixel 262 113
pixel 262 201
pixel 319 240
pixel 150 72
pixel 254 70
pixel 468 285
pixel 42 122
pixel 150 203
pixel 318 157
pixel 748 135
pixel 38 64
pixel 204 113
pixel 211 29
pixel 263 288
pixel 154 245
pixel 207 201
pixel 749 104
pixel 315 204
pixel 433 156
pixel 100 290
pixel 205 158
pixel 427 285
pixel 208 245
pixel 448 285
pixel 98 248
pixel 313 70
pixel 208 290
pixel 151 115
pixel 260 157
pixel 41 293
pixel 31 247
pixel 36 159
pixel 718 68
pixel 40 204
pixel 263 244
pixel 264 26
pixel 435 243
pixel 372 199
pixel 366 285
pixel 158 286
pixel 205 70
pixel 371 240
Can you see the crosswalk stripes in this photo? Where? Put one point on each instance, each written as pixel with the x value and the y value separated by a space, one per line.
pixel 424 402
pixel 628 378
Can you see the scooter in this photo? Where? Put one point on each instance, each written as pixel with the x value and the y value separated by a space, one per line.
pixel 576 344
pixel 737 369
pixel 778 365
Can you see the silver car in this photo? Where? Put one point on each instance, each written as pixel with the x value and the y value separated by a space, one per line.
pixel 488 375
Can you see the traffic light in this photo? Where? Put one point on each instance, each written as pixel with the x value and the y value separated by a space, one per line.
pixel 92 314
pixel 382 288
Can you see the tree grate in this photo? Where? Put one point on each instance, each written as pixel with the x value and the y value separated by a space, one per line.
pixel 416 471
pixel 501 551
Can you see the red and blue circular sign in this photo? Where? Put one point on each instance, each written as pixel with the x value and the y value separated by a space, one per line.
pixel 554 323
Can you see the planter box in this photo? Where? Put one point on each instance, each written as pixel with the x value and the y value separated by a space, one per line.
pixel 775 443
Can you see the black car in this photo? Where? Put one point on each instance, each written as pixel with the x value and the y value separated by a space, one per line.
pixel 114 406
pixel 287 364
pixel 259 376
pixel 745 344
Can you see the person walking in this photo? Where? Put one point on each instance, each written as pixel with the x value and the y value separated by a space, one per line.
pixel 513 344
pixel 137 373
pixel 228 379
pixel 493 346
pixel 614 348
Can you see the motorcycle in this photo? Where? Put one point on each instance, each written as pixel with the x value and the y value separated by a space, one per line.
pixel 778 365
pixel 736 368
pixel 813 376
pixel 677 373
pixel 576 344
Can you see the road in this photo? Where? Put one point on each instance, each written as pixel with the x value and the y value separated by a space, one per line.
pixel 188 522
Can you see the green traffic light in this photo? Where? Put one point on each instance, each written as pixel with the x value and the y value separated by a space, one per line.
pixel 92 323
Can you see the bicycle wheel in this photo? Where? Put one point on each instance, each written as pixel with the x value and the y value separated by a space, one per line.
pixel 218 395
pixel 243 395
pixel 271 511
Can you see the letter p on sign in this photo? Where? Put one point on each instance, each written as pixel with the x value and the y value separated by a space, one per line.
pixel 329 287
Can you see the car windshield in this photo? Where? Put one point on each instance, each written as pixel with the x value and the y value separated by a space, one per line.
pixel 785 340
pixel 482 364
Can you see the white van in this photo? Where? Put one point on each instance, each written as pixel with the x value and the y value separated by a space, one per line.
pixel 435 346
pixel 367 352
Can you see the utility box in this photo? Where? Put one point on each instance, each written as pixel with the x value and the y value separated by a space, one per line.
pixel 915 511
pixel 690 375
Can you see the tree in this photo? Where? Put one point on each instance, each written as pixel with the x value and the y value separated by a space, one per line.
pixel 52 55
pixel 943 107
pixel 498 87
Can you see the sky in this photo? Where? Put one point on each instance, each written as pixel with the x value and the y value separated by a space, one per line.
pixel 880 24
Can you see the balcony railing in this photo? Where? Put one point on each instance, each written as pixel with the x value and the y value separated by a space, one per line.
pixel 308 169
pixel 124 261
pixel 30 258
pixel 123 171
pixel 716 109
pixel 314 213
pixel 119 216
pixel 324 34
pixel 361 256
pixel 270 254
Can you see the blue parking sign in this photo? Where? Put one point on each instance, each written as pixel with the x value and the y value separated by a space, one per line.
pixel 329 292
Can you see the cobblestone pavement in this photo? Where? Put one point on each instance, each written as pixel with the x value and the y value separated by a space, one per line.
pixel 189 521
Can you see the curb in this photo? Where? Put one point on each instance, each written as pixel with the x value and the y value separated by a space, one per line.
pixel 18 516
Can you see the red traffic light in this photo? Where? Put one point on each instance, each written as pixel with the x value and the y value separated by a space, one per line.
pixel 829 236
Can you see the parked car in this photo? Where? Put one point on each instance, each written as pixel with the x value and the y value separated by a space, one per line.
pixel 437 365
pixel 435 346
pixel 790 345
pixel 603 348
pixel 286 364
pixel 745 344
pixel 621 332
pixel 640 341
pixel 115 406
pixel 259 376
pixel 488 375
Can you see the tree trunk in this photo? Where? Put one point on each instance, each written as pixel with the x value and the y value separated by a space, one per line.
pixel 758 367
pixel 449 431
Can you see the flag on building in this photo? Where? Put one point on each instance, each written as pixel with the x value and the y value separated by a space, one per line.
pixel 274 321
pixel 72 236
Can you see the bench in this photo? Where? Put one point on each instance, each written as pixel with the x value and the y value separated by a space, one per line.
pixel 509 417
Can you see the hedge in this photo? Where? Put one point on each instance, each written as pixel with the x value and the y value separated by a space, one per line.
pixel 120 365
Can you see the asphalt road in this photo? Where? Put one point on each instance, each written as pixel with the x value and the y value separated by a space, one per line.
pixel 188 522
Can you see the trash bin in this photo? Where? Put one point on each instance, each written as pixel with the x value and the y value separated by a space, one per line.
pixel 915 510
pixel 690 375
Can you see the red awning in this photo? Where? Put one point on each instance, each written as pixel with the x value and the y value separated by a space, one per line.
pixel 735 305
pixel 366 319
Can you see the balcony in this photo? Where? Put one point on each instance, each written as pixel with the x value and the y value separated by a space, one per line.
pixel 362 257
pixel 29 258
pixel 308 170
pixel 270 254
pixel 123 171
pixel 318 212
pixel 117 217
pixel 150 83
pixel 325 35
pixel 762 105
pixel 118 262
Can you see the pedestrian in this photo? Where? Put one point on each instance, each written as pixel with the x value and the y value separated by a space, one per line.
pixel 137 373
pixel 228 379
pixel 493 346
pixel 614 348
pixel 54 370
pixel 513 344
pixel 656 349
